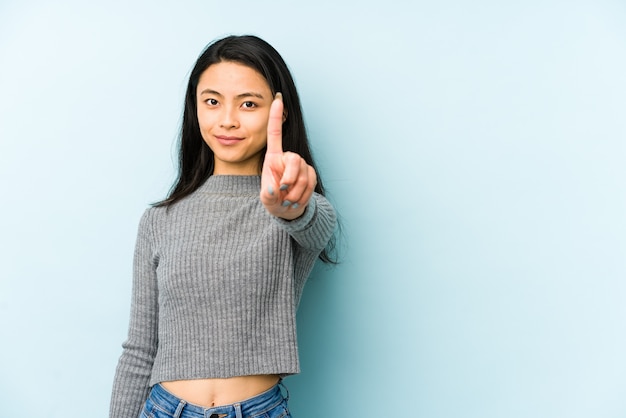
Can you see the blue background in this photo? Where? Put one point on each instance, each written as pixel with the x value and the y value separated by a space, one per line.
pixel 475 151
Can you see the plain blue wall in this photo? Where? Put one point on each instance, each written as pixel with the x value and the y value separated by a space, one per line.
pixel 475 150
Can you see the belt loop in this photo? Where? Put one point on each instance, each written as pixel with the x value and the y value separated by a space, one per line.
pixel 179 409
pixel 281 384
pixel 238 413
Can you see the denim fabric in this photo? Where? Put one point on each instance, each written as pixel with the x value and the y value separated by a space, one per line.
pixel 269 404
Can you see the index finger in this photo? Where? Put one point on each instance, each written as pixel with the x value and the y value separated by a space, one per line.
pixel 275 126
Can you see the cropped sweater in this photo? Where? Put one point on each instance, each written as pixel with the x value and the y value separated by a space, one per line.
pixel 216 284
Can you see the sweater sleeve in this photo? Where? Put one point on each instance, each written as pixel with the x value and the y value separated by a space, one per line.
pixel 131 383
pixel 314 228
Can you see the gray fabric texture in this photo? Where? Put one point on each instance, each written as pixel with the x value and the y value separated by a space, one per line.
pixel 216 285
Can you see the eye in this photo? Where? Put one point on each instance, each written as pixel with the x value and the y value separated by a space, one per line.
pixel 211 102
pixel 248 105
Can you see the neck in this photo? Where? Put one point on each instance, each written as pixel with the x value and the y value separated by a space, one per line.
pixel 246 168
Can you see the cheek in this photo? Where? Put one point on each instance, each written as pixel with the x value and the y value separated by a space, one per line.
pixel 259 126
pixel 203 119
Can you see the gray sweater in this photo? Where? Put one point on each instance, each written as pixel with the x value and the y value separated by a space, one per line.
pixel 216 284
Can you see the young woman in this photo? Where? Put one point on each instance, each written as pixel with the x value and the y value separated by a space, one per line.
pixel 220 264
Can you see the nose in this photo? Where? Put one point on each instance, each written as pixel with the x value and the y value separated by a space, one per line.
pixel 228 118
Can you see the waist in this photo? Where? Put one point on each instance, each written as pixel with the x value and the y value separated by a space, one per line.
pixel 209 393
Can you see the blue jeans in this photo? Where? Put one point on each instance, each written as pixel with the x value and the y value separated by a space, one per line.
pixel 269 404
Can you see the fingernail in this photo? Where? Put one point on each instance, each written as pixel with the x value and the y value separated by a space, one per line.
pixel 286 203
pixel 279 95
pixel 270 190
pixel 295 206
pixel 283 187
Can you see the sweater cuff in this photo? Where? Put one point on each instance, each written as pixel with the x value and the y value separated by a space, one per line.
pixel 301 223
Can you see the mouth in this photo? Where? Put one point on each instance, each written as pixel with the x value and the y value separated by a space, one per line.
pixel 228 140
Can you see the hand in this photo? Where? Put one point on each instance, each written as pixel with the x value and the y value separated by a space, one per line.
pixel 287 181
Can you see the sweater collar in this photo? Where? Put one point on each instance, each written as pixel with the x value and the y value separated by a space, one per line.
pixel 231 184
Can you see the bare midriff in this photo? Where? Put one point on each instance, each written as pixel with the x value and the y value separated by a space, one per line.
pixel 217 392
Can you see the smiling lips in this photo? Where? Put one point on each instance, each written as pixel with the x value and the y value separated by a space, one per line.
pixel 228 140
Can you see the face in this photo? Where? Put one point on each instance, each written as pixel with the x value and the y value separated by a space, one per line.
pixel 233 103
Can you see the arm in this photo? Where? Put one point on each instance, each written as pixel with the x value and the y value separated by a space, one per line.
pixel 288 190
pixel 131 384
pixel 314 227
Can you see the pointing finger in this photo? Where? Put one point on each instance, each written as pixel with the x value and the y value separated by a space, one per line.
pixel 275 126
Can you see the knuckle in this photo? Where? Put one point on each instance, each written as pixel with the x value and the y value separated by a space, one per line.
pixel 275 131
pixel 292 157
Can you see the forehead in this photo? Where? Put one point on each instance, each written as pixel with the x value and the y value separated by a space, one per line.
pixel 232 77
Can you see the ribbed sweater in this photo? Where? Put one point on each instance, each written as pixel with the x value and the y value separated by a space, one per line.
pixel 216 284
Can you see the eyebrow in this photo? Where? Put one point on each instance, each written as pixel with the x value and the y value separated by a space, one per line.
pixel 239 96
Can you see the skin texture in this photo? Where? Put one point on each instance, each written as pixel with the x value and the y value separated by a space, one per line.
pixel 240 120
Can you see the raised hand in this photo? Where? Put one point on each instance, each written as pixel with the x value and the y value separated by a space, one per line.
pixel 287 181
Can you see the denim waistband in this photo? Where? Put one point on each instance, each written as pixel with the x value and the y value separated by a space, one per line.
pixel 177 407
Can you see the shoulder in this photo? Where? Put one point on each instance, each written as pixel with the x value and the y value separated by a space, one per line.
pixel 150 218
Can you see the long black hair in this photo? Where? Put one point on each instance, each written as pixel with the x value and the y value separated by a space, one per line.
pixel 196 159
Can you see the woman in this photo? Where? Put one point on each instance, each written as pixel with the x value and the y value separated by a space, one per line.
pixel 220 264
